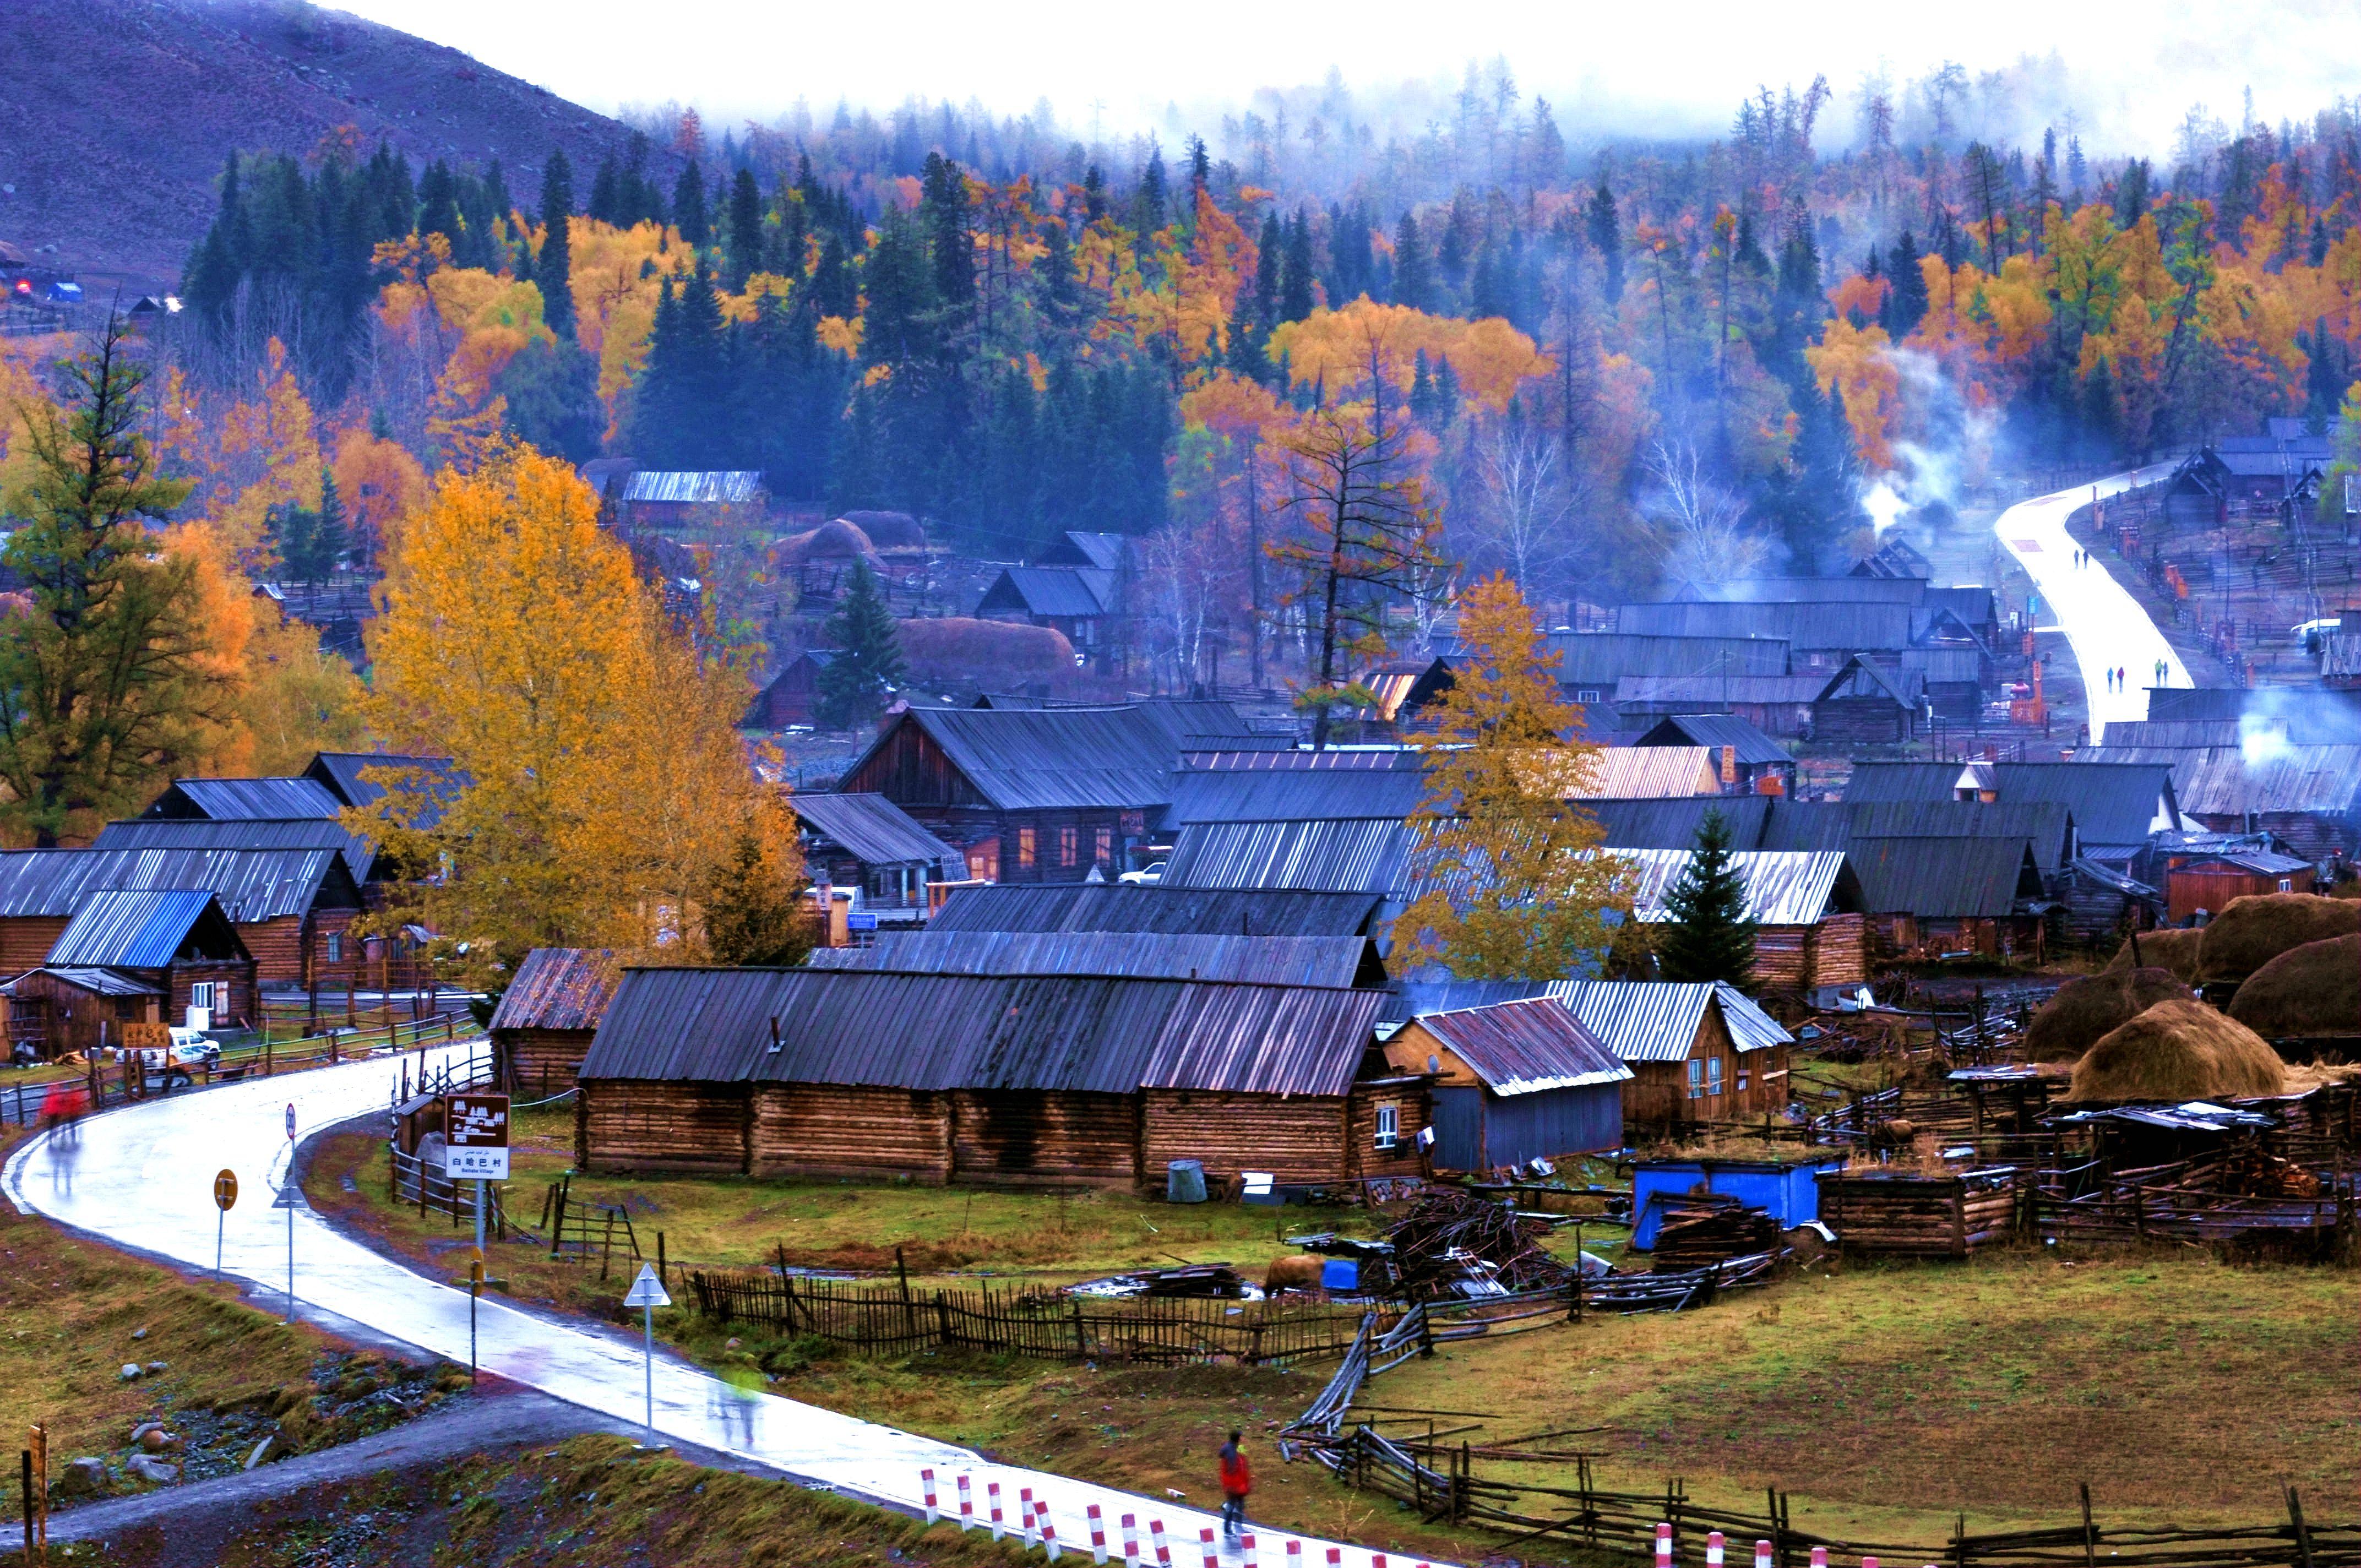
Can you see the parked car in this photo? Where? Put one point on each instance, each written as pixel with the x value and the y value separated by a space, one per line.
pixel 1145 876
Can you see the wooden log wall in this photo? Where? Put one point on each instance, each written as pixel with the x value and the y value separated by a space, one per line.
pixel 1840 950
pixel 25 941
pixel 623 1124
pixel 540 1062
pixel 1033 1136
pixel 1301 1138
pixel 813 1129
pixel 277 945
pixel 1919 1216
pixel 1404 1159
pixel 1782 958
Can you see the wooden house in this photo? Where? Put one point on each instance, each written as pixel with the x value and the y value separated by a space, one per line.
pixel 369 868
pixel 2209 880
pixel 1590 664
pixel 292 907
pixel 1777 704
pixel 1697 1052
pixel 2115 804
pixel 1868 703
pixel 679 500
pixel 1047 794
pixel 1079 602
pixel 1512 1081
pixel 229 800
pixel 1651 772
pixel 1810 932
pixel 1747 761
pixel 543 1026
pixel 160 956
pixel 2307 796
pixel 1160 909
pixel 792 696
pixel 1944 896
pixel 347 776
pixel 868 843
pixel 1005 1080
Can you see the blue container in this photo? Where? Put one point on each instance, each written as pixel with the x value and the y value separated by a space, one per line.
pixel 1340 1274
pixel 1184 1181
pixel 1790 1192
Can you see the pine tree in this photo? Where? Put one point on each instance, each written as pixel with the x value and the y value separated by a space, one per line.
pixel 554 269
pixel 1151 201
pixel 1413 277
pixel 688 207
pixel 332 532
pixel 1707 934
pixel 745 229
pixel 605 193
pixel 1267 269
pixel 1906 299
pixel 1295 298
pixel 1606 239
pixel 868 662
pixel 210 281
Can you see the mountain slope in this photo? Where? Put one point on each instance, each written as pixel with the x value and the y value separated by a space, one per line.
pixel 116 116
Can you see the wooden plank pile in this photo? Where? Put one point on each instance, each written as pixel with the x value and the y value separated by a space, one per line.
pixel 1708 1227
pixel 1452 1237
pixel 1920 1216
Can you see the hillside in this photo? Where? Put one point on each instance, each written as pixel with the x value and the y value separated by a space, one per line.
pixel 116 116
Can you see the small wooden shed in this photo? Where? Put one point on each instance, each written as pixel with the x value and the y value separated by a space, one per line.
pixel 546 1018
pixel 1513 1081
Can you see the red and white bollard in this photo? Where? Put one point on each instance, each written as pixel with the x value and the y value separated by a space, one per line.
pixel 926 1487
pixel 1762 1554
pixel 967 1502
pixel 1713 1543
pixel 991 1496
pixel 1869 1563
pixel 1819 1557
pixel 1025 1515
pixel 1336 1556
pixel 1048 1530
pixel 1246 1550
pixel 1098 1533
pixel 1663 1546
pixel 1295 1553
pixel 1130 1540
pixel 1207 1550
pixel 1156 1538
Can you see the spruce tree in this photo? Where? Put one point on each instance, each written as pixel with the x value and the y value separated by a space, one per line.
pixel 1295 298
pixel 868 662
pixel 751 912
pixel 688 207
pixel 745 229
pixel 1413 277
pixel 1707 934
pixel 1606 238
pixel 1905 299
pixel 330 531
pixel 1266 266
pixel 554 269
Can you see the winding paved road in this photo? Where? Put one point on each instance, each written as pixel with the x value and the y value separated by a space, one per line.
pixel 2104 623
pixel 142 1175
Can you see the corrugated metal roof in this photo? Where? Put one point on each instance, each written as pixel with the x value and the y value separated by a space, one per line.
pixel 1294 794
pixel 1795 825
pixel 2230 780
pixel 722 487
pixel 1674 824
pixel 1071 591
pixel 1655 1020
pixel 1655 691
pixel 1221 912
pixel 1784 887
pixel 1524 1047
pixel 1067 757
pixel 1601 658
pixel 1801 590
pixel 2174 734
pixel 941 1032
pixel 252 884
pixel 558 988
pixel 97 982
pixel 1073 547
pixel 1262 960
pixel 875 831
pixel 1715 730
pixel 1296 759
pixel 1650 772
pixel 342 772
pixel 244 833
pixel 145 928
pixel 1356 855
pixel 1851 627
pixel 2112 801
pixel 222 800
pixel 1944 879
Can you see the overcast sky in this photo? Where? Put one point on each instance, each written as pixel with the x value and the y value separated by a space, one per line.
pixel 2136 68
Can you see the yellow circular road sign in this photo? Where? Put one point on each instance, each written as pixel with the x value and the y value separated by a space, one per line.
pixel 225 1190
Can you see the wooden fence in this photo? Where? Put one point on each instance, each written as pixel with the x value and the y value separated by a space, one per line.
pixel 899 1320
pixel 411 1180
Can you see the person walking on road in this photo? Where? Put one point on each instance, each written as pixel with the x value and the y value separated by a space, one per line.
pixel 1237 1482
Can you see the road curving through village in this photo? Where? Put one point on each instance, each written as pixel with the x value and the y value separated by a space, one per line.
pixel 2104 623
pixel 142 1177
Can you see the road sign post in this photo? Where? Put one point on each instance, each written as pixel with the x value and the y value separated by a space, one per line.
pixel 475 1144
pixel 647 1294
pixel 224 1199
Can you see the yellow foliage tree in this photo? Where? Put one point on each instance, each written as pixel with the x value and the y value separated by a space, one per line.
pixel 1853 362
pixel 605 793
pixel 1336 348
pixel 380 484
pixel 1513 886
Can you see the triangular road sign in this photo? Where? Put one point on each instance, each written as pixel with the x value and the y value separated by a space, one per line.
pixel 647 1290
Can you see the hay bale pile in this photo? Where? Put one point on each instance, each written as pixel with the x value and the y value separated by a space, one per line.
pixel 956 650
pixel 2173 950
pixel 2308 992
pixel 2253 930
pixel 2088 1007
pixel 2177 1051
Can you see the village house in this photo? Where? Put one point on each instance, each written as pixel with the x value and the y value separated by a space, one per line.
pixel 1806 906
pixel 156 955
pixel 1748 761
pixel 791 697
pixel 1868 702
pixel 1004 1079
pixel 1777 704
pixel 1512 1082
pixel 543 1026
pixel 867 843
pixel 653 498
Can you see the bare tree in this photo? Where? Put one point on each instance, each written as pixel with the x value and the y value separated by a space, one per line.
pixel 1707 524
pixel 1529 499
pixel 1192 579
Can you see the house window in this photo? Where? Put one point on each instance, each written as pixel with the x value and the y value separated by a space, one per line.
pixel 1713 1075
pixel 1025 848
pixel 1067 839
pixel 1696 1078
pixel 1743 1077
pixel 200 993
pixel 1587 694
pixel 2287 885
pixel 336 947
pixel 1388 1125
pixel 1106 846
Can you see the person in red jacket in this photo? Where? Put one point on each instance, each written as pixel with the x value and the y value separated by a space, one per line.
pixel 1237 1482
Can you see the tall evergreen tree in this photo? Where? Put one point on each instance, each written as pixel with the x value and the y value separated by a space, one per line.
pixel 554 269
pixel 1905 299
pixel 1295 296
pixel 1414 271
pixel 1606 238
pixel 745 228
pixel 332 532
pixel 688 207
pixel 1270 255
pixel 607 194
pixel 868 663
pixel 1707 934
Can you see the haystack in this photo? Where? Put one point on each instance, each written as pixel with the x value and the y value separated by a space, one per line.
pixel 2308 992
pixel 2253 930
pixel 2089 1006
pixel 2177 1051
pixel 2174 950
pixel 957 648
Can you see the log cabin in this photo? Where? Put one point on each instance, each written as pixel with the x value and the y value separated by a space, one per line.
pixel 543 1025
pixel 1004 1079
pixel 1750 761
pixel 1041 795
pixel 1807 906
pixel 155 956
pixel 867 843
pixel 1174 911
pixel 1697 1052
pixel 1512 1082
pixel 292 907
pixel 239 800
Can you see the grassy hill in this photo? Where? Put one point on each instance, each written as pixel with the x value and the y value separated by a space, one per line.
pixel 116 116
